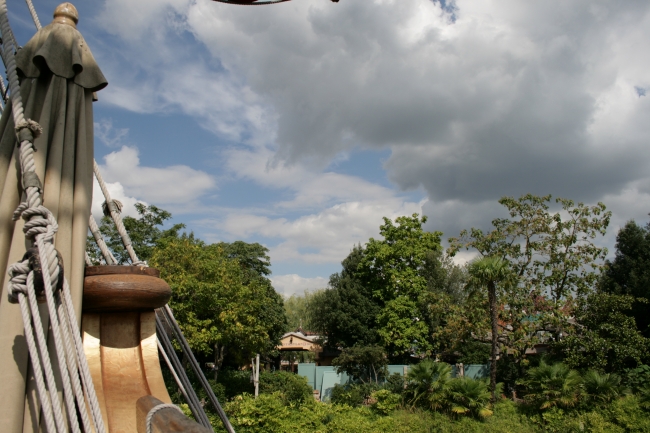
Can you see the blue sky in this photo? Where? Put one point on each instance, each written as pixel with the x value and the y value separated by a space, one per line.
pixel 301 125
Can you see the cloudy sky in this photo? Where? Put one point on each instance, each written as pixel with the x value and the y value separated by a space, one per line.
pixel 300 125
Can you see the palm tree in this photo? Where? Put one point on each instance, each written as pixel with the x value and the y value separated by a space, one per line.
pixel 469 396
pixel 429 380
pixel 553 385
pixel 489 272
pixel 602 388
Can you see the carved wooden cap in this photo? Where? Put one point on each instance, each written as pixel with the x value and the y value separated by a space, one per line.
pixel 66 13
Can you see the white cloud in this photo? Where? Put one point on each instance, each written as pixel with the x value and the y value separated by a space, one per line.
pixel 292 284
pixel 176 186
pixel 116 191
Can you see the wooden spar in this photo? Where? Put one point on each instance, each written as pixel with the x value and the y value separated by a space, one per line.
pixel 119 338
pixel 166 420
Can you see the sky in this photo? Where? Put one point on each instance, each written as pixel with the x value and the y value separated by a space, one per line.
pixel 300 125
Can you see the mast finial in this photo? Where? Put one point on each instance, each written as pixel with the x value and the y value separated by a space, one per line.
pixel 66 13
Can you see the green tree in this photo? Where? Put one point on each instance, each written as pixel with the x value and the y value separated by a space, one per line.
pixel 469 396
pixel 346 314
pixel 605 336
pixel 552 256
pixel 145 233
pixel 367 364
pixel 298 310
pixel 394 269
pixel 220 309
pixel 492 273
pixel 629 272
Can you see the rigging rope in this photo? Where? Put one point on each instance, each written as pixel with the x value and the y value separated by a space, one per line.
pixel 40 228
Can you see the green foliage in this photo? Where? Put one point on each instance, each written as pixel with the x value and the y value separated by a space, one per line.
pixel 351 395
pixel 629 273
pixel 294 389
pixel 602 388
pixel 298 309
pixel 236 382
pixel 553 385
pixel 218 307
pixel 428 382
pixel 554 258
pixel 606 338
pixel 385 401
pixel 395 383
pixel 144 231
pixel 469 397
pixel 367 364
pixel 347 312
pixel 394 268
pixel 637 378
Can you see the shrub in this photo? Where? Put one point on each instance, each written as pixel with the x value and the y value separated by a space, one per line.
pixel 601 388
pixel 395 383
pixel 354 394
pixel 637 378
pixel 468 396
pixel 235 382
pixel 385 401
pixel 428 383
pixel 552 385
pixel 294 388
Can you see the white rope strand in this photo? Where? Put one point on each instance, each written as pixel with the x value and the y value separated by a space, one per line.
pixel 32 11
pixel 99 239
pixel 115 214
pixel 155 409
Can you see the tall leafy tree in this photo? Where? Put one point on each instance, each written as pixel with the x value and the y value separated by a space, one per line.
pixel 552 255
pixel 394 269
pixel 346 313
pixel 629 272
pixel 221 311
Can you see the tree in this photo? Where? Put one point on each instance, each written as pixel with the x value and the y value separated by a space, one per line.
pixel 394 270
pixel 491 273
pixel 605 336
pixel 145 233
pixel 629 272
pixel 553 257
pixel 298 310
pixel 428 382
pixel 366 364
pixel 221 310
pixel 346 313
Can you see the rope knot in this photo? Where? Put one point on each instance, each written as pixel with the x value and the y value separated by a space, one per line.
pixel 39 220
pixel 31 262
pixel 17 280
pixel 28 130
pixel 110 206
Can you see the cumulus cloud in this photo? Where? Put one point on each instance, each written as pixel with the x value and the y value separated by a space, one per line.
pixel 176 186
pixel 294 284
pixel 487 99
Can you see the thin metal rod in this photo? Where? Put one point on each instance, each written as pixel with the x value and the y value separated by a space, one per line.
pixel 167 313
pixel 193 400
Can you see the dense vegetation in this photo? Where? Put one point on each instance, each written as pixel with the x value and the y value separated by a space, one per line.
pixel 566 332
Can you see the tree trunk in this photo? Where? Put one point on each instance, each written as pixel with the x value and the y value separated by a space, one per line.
pixel 219 352
pixel 492 297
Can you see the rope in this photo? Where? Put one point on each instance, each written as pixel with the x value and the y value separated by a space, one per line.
pixel 99 239
pixel 113 208
pixel 40 228
pixel 171 368
pixel 155 409
pixel 32 11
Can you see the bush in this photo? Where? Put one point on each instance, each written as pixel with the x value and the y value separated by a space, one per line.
pixel 469 397
pixel 395 383
pixel 354 394
pixel 235 382
pixel 385 401
pixel 294 388
pixel 601 388
pixel 637 378
pixel 428 383
pixel 552 385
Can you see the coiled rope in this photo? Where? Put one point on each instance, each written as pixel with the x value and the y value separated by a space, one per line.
pixel 40 228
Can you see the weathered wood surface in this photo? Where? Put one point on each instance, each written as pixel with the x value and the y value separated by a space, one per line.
pixel 123 288
pixel 168 420
pixel 122 355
